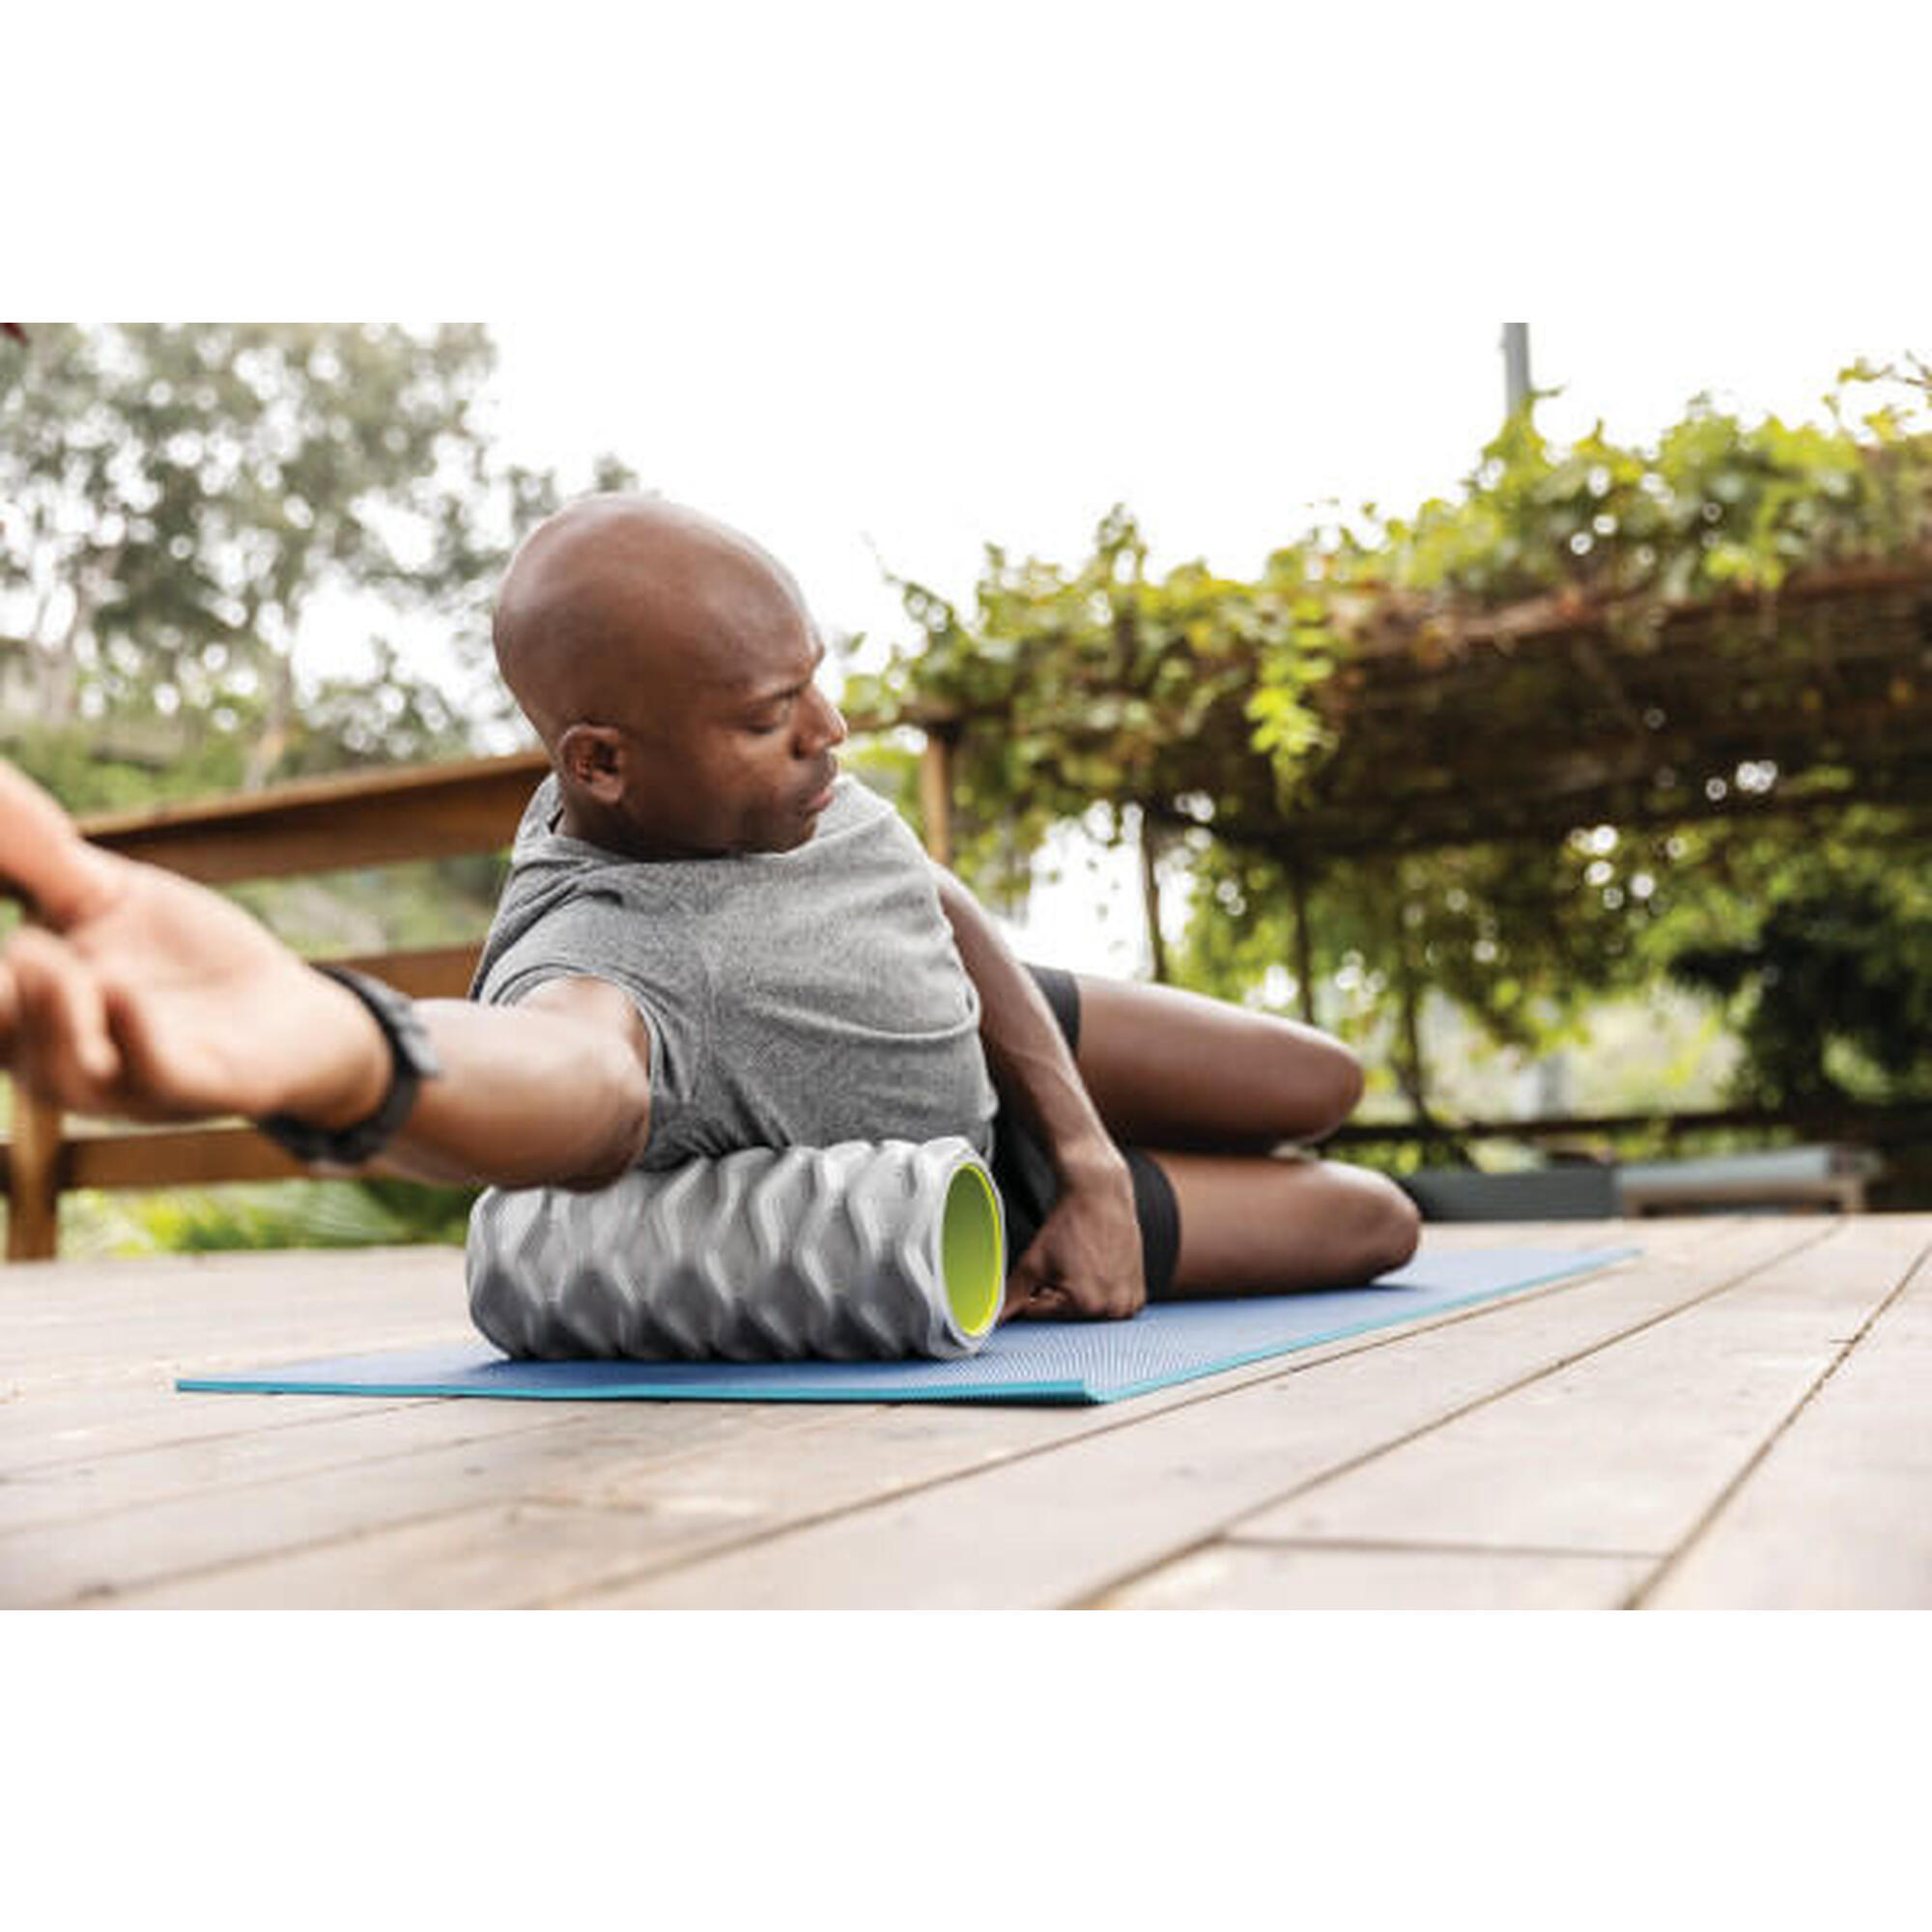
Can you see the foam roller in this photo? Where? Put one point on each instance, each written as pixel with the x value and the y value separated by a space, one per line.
pixel 868 1249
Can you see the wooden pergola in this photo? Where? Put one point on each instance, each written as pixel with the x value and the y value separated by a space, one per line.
pixel 1454 727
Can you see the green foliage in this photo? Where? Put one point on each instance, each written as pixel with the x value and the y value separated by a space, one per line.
pixel 1200 700
pixel 1105 684
pixel 1822 951
pixel 1718 503
pixel 302 1214
pixel 1518 939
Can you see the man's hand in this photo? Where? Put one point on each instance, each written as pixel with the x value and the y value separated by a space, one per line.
pixel 143 996
pixel 1086 1259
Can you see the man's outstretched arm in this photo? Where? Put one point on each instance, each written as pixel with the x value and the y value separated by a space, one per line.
pixel 139 995
pixel 1087 1258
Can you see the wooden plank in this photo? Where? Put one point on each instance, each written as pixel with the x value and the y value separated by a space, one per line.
pixel 1241 1575
pixel 170 1315
pixel 57 1430
pixel 104 1302
pixel 423 973
pixel 1141 1482
pixel 1629 1448
pixel 1838 1514
pixel 240 1460
pixel 355 819
pixel 373 1472
pixel 682 1505
pixel 178 1157
pixel 501 1553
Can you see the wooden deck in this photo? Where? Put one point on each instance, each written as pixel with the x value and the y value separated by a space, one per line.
pixel 1740 1418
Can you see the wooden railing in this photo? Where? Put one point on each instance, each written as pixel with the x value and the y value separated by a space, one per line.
pixel 362 818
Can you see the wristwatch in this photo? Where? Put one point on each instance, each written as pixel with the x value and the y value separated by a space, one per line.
pixel 412 1061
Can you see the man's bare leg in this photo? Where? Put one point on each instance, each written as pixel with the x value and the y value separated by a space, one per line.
pixel 1206 1089
pixel 1252 1225
pixel 1169 1069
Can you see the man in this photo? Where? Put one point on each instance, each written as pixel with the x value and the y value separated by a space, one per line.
pixel 708 940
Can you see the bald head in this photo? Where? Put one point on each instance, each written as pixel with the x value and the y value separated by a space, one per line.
pixel 618 601
pixel 668 663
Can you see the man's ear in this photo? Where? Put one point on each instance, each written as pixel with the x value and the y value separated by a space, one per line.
pixel 591 756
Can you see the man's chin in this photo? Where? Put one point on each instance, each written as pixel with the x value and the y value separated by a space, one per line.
pixel 785 837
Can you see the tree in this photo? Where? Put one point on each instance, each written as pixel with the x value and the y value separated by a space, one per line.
pixel 172 498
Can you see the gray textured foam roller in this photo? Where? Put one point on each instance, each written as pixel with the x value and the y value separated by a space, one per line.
pixel 863 1250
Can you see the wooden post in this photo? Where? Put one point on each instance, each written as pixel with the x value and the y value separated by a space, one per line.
pixel 34 1178
pixel 935 792
pixel 1304 942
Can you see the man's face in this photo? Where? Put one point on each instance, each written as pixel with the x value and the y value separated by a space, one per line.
pixel 737 754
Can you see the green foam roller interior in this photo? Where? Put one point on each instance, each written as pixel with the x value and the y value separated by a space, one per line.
pixel 974 1249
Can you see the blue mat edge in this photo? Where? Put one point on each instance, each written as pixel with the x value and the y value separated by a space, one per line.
pixel 1060 1394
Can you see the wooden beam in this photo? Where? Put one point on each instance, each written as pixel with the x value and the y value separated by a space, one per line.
pixel 177 1157
pixel 433 973
pixel 362 818
pixel 1563 614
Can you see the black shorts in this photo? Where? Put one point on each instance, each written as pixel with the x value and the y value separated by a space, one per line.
pixel 1029 1186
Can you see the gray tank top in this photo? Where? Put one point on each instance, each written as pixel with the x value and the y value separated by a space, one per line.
pixel 792 998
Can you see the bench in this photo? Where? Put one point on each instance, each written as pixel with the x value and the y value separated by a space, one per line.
pixel 1828 1175
pixel 1824 1176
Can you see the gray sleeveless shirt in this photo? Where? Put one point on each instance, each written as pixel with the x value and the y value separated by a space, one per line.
pixel 792 998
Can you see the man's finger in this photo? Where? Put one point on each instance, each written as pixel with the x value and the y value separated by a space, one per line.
pixel 1041 1300
pixel 44 857
pixel 1028 1291
pixel 62 1040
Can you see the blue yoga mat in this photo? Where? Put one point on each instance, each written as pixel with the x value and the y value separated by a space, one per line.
pixel 1024 1361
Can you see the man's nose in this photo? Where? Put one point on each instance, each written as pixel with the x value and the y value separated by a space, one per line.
pixel 828 723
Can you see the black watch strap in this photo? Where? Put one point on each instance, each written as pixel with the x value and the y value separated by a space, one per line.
pixel 412 1061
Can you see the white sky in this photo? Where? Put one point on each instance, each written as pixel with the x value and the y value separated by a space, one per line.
pixel 1224 438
